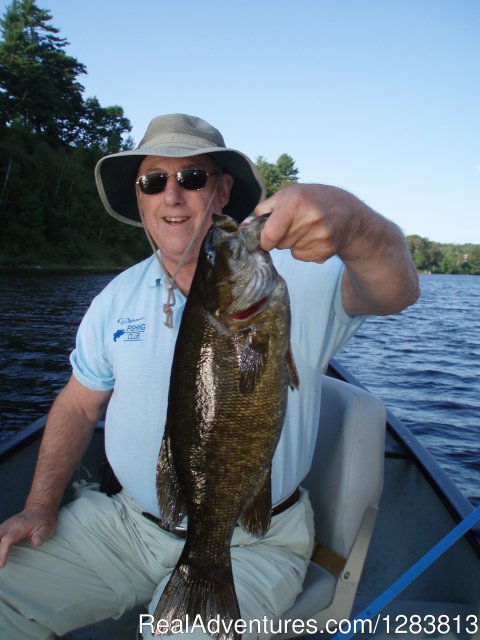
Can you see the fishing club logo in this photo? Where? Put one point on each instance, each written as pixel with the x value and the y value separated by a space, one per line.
pixel 131 330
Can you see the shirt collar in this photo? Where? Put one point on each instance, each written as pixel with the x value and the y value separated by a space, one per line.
pixel 156 277
pixel 155 273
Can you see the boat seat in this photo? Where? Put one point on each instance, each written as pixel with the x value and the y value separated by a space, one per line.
pixel 345 485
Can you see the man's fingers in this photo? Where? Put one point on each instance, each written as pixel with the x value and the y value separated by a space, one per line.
pixel 7 540
pixel 23 526
pixel 36 539
pixel 265 206
pixel 39 536
pixel 4 549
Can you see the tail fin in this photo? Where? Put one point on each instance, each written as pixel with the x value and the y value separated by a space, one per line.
pixel 193 594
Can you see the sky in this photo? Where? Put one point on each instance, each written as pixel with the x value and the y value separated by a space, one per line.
pixel 379 97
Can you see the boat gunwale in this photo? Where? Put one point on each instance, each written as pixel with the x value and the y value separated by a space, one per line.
pixel 24 437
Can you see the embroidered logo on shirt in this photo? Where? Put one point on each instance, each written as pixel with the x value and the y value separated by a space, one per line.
pixel 132 330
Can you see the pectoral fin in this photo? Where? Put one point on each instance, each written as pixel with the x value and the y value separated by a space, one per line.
pixel 252 352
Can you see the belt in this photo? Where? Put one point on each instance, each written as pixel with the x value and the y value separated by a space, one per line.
pixel 182 531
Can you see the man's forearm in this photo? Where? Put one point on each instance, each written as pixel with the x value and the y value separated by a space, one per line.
pixel 380 276
pixel 67 435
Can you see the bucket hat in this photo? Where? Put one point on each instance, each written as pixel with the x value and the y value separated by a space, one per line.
pixel 176 136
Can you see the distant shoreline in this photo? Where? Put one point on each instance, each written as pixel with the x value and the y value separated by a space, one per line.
pixel 438 273
pixel 62 269
pixel 115 269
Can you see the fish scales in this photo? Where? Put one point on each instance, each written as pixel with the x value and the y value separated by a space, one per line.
pixel 227 400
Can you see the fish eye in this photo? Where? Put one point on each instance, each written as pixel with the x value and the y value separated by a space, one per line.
pixel 211 256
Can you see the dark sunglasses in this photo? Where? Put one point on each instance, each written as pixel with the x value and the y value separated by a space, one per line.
pixel 192 179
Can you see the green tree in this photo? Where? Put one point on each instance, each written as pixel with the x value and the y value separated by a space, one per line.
pixel 419 248
pixel 288 170
pixel 102 128
pixel 436 257
pixel 50 141
pixel 38 80
pixel 276 176
pixel 53 216
pixel 472 253
pixel 449 262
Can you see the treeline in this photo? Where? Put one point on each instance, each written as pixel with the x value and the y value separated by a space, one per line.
pixel 51 137
pixel 50 211
pixel 435 257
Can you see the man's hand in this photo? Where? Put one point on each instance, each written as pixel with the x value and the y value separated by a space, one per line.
pixel 34 523
pixel 68 431
pixel 313 221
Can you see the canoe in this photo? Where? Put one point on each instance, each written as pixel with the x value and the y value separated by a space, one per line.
pixel 390 546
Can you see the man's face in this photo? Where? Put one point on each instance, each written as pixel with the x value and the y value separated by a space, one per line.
pixel 173 216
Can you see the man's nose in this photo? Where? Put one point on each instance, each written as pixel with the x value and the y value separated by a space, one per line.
pixel 173 192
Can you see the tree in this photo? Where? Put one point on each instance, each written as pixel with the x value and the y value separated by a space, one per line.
pixel 449 262
pixel 53 216
pixel 426 254
pixel 279 175
pixel 50 142
pixel 288 170
pixel 38 80
pixel 102 127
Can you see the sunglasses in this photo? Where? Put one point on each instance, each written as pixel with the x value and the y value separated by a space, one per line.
pixel 191 179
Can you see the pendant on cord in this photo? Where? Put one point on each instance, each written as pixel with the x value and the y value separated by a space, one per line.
pixel 167 307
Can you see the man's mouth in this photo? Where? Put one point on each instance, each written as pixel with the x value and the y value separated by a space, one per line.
pixel 175 219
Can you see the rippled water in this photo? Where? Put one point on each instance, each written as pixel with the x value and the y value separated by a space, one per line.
pixel 423 363
pixel 39 316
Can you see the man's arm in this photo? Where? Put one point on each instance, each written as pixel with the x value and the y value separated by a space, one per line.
pixel 68 431
pixel 318 221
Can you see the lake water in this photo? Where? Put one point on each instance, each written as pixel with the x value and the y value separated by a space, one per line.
pixel 423 363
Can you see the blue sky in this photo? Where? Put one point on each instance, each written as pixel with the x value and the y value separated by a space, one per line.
pixel 380 97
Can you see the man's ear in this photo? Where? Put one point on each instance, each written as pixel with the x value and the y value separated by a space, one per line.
pixel 225 189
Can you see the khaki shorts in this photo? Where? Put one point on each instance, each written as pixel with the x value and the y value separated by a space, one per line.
pixel 106 558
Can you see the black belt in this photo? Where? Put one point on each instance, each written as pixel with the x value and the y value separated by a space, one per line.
pixel 277 509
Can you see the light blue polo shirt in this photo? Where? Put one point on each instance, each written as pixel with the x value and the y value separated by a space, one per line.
pixel 123 344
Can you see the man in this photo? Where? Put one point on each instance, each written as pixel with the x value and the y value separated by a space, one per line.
pixel 101 555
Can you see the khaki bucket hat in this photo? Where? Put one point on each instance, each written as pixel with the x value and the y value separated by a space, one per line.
pixel 176 136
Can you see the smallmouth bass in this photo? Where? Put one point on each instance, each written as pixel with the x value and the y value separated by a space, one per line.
pixel 228 392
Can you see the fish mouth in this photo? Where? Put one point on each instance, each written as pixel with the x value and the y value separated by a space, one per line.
pixel 252 218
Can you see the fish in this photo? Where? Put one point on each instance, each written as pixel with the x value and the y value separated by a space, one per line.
pixel 231 370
